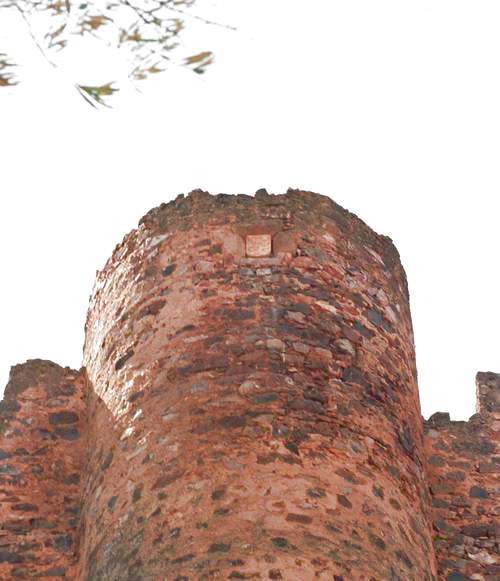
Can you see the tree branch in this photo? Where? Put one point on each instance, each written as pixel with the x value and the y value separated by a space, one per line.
pixel 204 20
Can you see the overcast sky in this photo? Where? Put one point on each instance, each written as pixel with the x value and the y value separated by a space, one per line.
pixel 390 108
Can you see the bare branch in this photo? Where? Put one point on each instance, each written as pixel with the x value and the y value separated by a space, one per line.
pixel 201 19
pixel 33 37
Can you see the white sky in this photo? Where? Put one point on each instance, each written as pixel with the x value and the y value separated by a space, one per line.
pixel 391 108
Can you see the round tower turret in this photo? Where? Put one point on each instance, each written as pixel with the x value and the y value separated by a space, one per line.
pixel 256 412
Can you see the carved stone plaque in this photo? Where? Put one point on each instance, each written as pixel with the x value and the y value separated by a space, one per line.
pixel 258 245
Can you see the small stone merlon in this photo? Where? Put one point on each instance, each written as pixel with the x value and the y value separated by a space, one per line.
pixel 488 392
pixel 248 409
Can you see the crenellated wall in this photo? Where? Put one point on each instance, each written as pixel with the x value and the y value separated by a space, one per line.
pixel 248 410
pixel 463 461
pixel 42 454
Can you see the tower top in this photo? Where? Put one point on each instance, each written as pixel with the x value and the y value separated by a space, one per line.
pixel 274 209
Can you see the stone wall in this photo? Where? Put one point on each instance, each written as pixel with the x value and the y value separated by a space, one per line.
pixel 248 410
pixel 464 465
pixel 42 453
pixel 254 372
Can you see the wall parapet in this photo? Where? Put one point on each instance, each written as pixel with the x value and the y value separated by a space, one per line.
pixel 42 449
pixel 463 465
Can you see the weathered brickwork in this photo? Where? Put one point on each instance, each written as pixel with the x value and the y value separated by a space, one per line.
pixel 42 449
pixel 248 409
pixel 464 467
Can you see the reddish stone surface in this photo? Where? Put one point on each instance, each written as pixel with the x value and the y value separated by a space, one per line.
pixel 464 467
pixel 258 417
pixel 42 451
pixel 253 413
pixel 258 245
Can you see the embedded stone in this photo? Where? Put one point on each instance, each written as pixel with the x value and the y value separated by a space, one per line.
pixel 377 541
pixel 219 548
pixel 478 492
pixel 265 398
pixel 280 542
pixel 436 460
pixel 247 387
pixel 299 518
pixel 327 307
pixel 457 576
pixel 67 433
pixel 258 245
pixel 168 270
pixel 275 344
pixel 374 317
pixel 316 492
pixel 296 316
pixel 301 347
pixel 64 417
pixel 346 346
pixel 344 501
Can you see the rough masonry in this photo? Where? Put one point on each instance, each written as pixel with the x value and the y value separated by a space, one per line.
pixel 247 409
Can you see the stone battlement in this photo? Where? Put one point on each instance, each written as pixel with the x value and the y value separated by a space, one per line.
pixel 463 468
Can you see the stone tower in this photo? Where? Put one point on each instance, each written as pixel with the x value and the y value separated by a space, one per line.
pixel 248 409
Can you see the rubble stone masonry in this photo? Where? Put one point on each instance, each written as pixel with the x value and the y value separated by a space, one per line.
pixel 464 465
pixel 42 450
pixel 248 409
